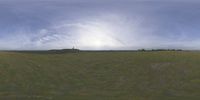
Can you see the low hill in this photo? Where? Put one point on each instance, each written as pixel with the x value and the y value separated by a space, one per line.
pixel 53 51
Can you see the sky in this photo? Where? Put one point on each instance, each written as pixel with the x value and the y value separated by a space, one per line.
pixel 99 24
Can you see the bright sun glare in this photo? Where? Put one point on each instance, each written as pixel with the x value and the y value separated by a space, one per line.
pixel 96 35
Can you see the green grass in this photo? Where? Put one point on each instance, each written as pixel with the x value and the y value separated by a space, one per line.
pixel 100 76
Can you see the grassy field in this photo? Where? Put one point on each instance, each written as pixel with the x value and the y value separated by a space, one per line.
pixel 100 76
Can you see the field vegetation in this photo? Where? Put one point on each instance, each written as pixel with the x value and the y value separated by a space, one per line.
pixel 161 75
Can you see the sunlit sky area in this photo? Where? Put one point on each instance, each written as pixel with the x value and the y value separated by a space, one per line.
pixel 99 24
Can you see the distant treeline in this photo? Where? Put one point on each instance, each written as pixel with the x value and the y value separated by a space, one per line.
pixel 64 50
pixel 60 51
pixel 160 50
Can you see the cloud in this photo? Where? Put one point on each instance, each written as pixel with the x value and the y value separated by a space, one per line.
pixel 130 24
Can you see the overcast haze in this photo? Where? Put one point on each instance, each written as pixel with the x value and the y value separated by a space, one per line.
pixel 99 24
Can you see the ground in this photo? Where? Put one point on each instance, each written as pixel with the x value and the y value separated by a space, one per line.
pixel 167 75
